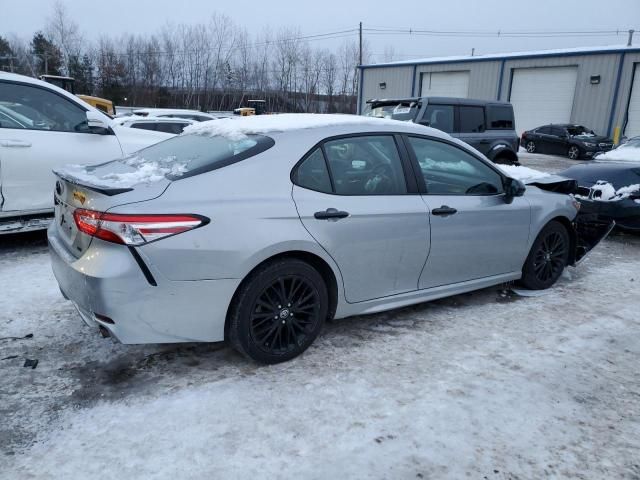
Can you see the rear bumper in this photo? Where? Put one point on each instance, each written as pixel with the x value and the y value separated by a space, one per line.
pixel 106 280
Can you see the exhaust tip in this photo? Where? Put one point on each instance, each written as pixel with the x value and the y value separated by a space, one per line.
pixel 104 319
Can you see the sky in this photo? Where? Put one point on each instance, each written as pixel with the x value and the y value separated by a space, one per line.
pixel 116 17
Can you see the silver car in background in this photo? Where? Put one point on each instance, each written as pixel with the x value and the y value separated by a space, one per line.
pixel 256 230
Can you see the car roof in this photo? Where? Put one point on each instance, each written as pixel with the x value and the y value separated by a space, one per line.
pixel 140 119
pixel 441 100
pixel 323 124
pixel 172 110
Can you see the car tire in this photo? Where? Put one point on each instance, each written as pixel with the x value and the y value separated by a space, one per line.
pixel 574 152
pixel 547 258
pixel 278 311
pixel 530 146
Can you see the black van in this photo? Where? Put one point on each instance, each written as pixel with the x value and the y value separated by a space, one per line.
pixel 488 126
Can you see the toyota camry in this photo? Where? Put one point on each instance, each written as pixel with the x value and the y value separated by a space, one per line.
pixel 257 230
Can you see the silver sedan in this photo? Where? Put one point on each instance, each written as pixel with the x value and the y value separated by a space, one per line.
pixel 257 230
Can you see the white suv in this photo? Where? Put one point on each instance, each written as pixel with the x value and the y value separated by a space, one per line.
pixel 43 127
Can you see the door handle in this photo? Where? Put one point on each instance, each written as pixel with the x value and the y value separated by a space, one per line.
pixel 330 213
pixel 444 211
pixel 15 143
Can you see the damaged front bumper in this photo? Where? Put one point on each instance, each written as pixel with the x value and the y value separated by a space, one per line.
pixel 590 226
pixel 590 229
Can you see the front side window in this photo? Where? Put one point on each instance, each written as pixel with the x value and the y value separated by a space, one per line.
pixel 439 116
pixel 544 130
pixel 449 170
pixel 558 132
pixel 365 165
pixel 35 108
pixel 471 119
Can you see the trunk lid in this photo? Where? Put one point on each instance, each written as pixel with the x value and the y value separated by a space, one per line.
pixel 97 188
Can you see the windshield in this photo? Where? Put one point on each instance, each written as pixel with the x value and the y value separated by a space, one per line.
pixel 405 111
pixel 580 131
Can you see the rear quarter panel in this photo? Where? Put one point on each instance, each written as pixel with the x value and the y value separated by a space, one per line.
pixel 253 217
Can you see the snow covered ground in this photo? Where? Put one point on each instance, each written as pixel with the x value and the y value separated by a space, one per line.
pixel 484 385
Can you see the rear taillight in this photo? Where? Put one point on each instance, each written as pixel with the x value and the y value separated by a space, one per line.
pixel 134 229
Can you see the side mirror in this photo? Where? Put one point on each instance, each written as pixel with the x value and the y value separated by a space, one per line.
pixel 513 188
pixel 97 123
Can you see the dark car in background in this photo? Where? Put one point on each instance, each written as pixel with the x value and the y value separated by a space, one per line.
pixel 610 189
pixel 488 126
pixel 573 141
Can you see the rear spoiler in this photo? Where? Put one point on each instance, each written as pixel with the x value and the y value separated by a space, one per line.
pixel 109 191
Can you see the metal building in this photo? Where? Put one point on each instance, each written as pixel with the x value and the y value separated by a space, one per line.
pixel 598 87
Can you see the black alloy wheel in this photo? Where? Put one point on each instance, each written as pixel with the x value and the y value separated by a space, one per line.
pixel 278 311
pixel 283 315
pixel 547 258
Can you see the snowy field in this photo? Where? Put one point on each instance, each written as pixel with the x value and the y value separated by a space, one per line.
pixel 482 385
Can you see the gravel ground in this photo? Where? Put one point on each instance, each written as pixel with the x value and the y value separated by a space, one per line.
pixel 483 385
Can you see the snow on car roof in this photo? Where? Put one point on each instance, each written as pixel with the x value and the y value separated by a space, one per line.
pixel 261 124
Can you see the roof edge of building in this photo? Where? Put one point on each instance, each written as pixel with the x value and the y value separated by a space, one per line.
pixel 565 52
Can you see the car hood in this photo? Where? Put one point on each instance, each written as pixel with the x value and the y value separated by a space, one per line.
pixel 594 139
pixel 133 139
pixel 555 183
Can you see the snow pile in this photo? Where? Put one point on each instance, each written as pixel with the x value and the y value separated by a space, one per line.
pixel 143 171
pixel 605 192
pixel 239 128
pixel 622 153
pixel 524 174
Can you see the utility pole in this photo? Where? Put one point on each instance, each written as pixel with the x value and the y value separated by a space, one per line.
pixel 360 56
pixel 630 41
pixel 473 51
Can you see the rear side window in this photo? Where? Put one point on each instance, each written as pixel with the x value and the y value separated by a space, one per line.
pixel 500 117
pixel 558 131
pixel 313 174
pixel 362 165
pixel 471 119
pixel 143 126
pixel 366 165
pixel 544 130
pixel 170 127
pixel 189 155
pixel 439 116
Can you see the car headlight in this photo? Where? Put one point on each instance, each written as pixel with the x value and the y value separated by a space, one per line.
pixel 590 145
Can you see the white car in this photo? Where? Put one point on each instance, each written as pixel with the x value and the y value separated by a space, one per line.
pixel 170 125
pixel 43 127
pixel 176 113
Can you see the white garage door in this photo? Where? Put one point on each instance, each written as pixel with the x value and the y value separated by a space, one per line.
pixel 445 84
pixel 633 123
pixel 542 95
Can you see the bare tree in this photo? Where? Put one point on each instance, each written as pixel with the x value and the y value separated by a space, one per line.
pixel 65 33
